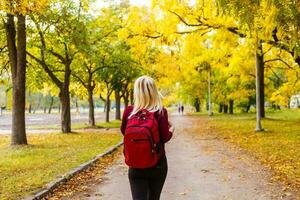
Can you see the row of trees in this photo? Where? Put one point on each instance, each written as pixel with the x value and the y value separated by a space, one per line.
pixel 229 52
pixel 245 50
pixel 61 47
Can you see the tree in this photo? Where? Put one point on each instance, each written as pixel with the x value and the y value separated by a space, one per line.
pixel 58 31
pixel 94 50
pixel 119 70
pixel 16 44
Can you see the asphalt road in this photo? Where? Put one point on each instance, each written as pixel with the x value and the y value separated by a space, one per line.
pixel 39 120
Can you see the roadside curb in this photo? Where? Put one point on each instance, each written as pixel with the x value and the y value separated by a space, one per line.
pixel 53 185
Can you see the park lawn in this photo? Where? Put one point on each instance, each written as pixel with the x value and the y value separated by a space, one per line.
pixel 25 169
pixel 278 147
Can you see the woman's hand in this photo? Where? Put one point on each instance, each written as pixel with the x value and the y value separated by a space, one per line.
pixel 171 127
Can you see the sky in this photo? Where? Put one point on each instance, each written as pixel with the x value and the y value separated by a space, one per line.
pixel 101 3
pixel 141 2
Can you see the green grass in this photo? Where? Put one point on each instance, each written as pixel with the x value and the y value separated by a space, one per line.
pixel 111 124
pixel 25 169
pixel 278 147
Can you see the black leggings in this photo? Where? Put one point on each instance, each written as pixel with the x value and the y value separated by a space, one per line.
pixel 147 184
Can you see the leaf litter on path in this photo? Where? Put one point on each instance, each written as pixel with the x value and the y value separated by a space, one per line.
pixel 80 182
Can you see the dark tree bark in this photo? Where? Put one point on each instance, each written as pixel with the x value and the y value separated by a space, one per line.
pixel 64 97
pixel 45 109
pixel 17 59
pixel 126 99
pixel 231 106
pixel 225 108
pixel 207 105
pixel 91 106
pixel 248 108
pixel 65 101
pixel 261 78
pixel 107 110
pixel 118 105
pixel 131 96
pixel 197 104
pixel 29 108
pixel 221 107
pixel 51 104
pixel 289 103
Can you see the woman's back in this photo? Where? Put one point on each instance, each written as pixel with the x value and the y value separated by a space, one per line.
pixel 146 183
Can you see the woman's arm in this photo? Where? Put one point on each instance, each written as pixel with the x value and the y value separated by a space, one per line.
pixel 126 114
pixel 163 124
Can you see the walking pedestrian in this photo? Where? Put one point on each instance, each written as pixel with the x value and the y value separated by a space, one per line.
pixel 182 109
pixel 146 129
pixel 179 109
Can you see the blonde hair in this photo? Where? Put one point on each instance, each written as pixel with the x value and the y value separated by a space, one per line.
pixel 146 96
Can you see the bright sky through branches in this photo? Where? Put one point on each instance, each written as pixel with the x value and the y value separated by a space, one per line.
pixel 101 3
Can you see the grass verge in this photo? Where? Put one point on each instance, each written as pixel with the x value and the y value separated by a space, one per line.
pixel 278 147
pixel 25 169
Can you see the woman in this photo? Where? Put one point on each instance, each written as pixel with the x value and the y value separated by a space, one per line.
pixel 147 183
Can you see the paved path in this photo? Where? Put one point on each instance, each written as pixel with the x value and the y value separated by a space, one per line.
pixel 200 168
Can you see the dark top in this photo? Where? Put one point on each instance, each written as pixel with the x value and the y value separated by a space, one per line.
pixel 162 120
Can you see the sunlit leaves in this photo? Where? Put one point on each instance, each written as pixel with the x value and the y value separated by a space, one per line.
pixel 23 6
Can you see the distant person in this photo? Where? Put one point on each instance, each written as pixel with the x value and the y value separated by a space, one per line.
pixel 179 109
pixel 146 129
pixel 182 109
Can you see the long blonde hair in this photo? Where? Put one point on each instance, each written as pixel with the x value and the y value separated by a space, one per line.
pixel 146 96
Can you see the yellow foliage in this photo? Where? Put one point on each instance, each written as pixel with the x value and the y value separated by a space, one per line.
pixel 23 6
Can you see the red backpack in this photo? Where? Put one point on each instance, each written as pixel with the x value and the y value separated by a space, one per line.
pixel 142 142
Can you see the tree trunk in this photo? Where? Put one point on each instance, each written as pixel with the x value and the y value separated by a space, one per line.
pixel 118 105
pixel 225 108
pixel 261 82
pixel 197 104
pixel 221 108
pixel 17 59
pixel 51 104
pixel 259 87
pixel 45 109
pixel 107 110
pixel 231 106
pixel 248 108
pixel 65 109
pixel 289 103
pixel 91 107
pixel 207 107
pixel 29 97
pixel 131 96
pixel 126 99
pixel 29 108
pixel 210 111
